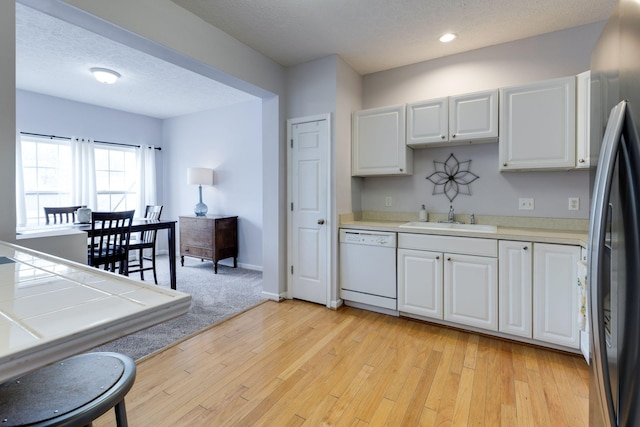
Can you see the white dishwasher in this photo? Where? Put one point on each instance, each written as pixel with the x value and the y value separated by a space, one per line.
pixel 368 269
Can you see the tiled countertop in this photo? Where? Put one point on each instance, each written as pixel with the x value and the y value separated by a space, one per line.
pixel 51 308
pixel 503 233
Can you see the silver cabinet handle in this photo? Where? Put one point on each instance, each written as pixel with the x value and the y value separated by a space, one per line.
pixel 321 221
pixel 581 161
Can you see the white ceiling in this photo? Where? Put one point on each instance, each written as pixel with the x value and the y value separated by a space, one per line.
pixel 54 57
pixel 375 35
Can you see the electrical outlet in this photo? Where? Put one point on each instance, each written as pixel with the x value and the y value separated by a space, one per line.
pixel 388 201
pixel 574 203
pixel 525 204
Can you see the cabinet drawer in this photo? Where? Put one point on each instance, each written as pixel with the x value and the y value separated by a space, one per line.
pixel 196 232
pixel 196 252
pixel 458 245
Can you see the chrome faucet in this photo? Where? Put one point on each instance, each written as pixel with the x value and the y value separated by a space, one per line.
pixel 451 214
pixel 472 219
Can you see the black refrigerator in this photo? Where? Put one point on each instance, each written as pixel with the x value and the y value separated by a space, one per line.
pixel 614 231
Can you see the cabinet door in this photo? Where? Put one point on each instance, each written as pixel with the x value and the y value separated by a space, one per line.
pixel 420 282
pixel 378 143
pixel 555 294
pixel 428 122
pixel 474 117
pixel 471 291
pixel 582 120
pixel 538 126
pixel 514 295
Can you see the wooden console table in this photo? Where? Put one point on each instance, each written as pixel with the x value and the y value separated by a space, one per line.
pixel 212 237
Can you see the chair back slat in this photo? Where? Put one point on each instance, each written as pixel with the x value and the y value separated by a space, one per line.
pixel 60 215
pixel 110 234
pixel 151 212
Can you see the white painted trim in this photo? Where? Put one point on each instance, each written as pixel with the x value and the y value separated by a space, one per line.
pixel 273 297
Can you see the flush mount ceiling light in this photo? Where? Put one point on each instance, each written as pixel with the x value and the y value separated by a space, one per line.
pixel 105 75
pixel 446 38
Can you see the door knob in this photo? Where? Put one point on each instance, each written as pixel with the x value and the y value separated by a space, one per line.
pixel 321 221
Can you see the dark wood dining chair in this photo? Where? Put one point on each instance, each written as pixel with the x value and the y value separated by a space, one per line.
pixel 60 215
pixel 109 241
pixel 146 240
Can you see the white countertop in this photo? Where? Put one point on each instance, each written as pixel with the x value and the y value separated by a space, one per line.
pixel 502 233
pixel 51 308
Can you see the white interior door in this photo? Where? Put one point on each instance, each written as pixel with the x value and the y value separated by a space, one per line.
pixel 309 228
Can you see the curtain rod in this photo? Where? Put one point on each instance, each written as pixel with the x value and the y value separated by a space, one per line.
pixel 100 142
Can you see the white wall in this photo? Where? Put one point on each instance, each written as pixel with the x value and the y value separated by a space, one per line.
pixel 329 85
pixel 38 113
pixel 7 120
pixel 543 57
pixel 227 140
pixel 163 29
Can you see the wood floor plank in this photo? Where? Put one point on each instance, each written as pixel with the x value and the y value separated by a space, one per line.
pixel 294 363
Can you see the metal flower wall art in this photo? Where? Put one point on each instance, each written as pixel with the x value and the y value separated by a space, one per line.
pixel 452 177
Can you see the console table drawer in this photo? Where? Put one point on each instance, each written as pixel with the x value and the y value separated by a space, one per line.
pixel 195 251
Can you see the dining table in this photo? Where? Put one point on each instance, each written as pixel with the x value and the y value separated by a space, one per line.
pixel 52 308
pixel 144 224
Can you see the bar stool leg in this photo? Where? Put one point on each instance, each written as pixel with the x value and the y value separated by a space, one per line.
pixel 121 414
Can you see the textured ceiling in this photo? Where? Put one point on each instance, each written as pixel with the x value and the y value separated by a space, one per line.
pixel 54 57
pixel 375 35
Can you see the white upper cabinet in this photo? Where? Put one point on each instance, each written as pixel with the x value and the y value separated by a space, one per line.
pixel 582 120
pixel 454 120
pixel 538 126
pixel 474 117
pixel 428 122
pixel 378 144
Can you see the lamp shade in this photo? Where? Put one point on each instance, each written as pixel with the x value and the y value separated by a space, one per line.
pixel 200 176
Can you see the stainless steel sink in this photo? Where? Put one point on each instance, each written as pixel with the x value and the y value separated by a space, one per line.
pixel 484 228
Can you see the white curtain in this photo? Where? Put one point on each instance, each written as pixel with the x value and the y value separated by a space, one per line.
pixel 147 193
pixel 21 203
pixel 83 170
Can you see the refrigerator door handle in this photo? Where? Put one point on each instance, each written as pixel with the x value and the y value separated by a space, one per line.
pixel 597 235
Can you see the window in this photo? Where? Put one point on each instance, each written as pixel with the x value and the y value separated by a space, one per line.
pixel 47 176
pixel 116 179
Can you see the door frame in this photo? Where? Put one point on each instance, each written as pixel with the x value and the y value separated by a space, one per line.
pixel 328 228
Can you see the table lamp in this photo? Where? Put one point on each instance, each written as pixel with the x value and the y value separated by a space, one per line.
pixel 200 177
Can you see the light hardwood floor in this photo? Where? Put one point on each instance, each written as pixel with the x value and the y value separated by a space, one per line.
pixel 295 363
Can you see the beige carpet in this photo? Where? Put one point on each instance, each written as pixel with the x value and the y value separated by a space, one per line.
pixel 215 297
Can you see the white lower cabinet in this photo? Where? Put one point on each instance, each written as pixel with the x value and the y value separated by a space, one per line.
pixel 518 288
pixel 436 281
pixel 555 294
pixel 515 294
pixel 420 283
pixel 471 290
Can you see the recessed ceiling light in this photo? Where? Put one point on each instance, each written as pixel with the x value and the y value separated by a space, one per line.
pixel 445 38
pixel 105 75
